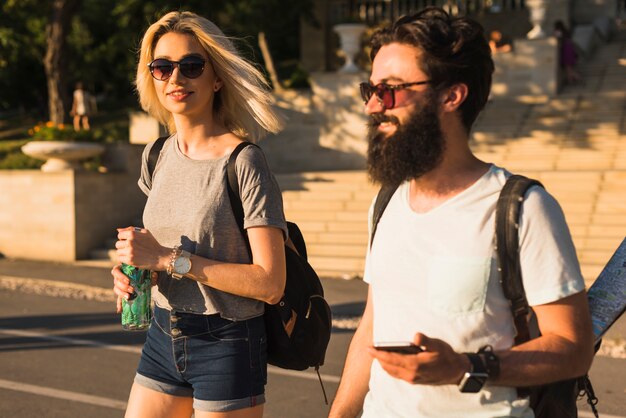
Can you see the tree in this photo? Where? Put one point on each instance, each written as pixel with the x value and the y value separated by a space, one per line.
pixel 54 60
pixel 46 46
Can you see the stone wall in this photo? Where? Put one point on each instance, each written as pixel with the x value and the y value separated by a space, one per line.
pixel 62 216
pixel 585 11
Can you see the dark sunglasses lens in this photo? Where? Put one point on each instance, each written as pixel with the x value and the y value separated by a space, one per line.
pixel 385 95
pixel 192 67
pixel 366 91
pixel 161 69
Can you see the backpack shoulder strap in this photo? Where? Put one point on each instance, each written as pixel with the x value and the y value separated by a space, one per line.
pixel 507 249
pixel 154 154
pixel 382 199
pixel 232 186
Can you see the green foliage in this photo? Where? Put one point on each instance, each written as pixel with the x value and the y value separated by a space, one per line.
pixel 11 156
pixel 22 46
pixel 299 79
pixel 51 132
pixel 105 36
pixel 19 161
pixel 8 147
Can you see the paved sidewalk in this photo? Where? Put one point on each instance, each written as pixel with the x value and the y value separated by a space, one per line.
pixel 92 281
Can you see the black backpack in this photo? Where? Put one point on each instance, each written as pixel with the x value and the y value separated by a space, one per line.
pixel 553 400
pixel 299 326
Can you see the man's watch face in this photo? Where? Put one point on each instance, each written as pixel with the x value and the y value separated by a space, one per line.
pixel 473 382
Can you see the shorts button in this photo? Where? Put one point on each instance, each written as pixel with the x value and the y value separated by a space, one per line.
pixel 174 319
pixel 175 332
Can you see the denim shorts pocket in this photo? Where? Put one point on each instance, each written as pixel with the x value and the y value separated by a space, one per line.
pixel 230 331
pixel 458 285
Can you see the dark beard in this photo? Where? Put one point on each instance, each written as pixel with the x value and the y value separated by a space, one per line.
pixel 414 149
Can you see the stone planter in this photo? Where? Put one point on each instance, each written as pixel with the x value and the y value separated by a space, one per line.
pixel 350 40
pixel 61 155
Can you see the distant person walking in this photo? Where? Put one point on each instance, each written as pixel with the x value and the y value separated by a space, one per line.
pixel 568 56
pixel 499 43
pixel 205 351
pixel 83 105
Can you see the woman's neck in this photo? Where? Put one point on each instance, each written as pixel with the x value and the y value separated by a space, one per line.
pixel 204 139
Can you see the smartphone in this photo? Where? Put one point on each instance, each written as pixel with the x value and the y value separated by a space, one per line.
pixel 403 347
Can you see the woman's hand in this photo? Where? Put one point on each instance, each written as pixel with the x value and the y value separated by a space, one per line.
pixel 122 287
pixel 137 247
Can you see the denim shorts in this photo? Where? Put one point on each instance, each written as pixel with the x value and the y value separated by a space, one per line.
pixel 222 364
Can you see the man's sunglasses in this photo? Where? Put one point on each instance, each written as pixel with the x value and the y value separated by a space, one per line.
pixel 190 67
pixel 385 93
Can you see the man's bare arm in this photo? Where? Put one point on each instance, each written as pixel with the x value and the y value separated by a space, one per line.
pixel 564 350
pixel 356 373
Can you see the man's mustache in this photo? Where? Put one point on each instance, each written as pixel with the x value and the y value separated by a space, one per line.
pixel 376 119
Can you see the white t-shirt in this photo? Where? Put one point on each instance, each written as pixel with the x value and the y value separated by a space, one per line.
pixel 436 273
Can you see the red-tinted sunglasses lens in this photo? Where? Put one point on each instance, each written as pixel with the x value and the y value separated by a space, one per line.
pixel 383 93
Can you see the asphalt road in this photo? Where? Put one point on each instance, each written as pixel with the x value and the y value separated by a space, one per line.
pixel 65 358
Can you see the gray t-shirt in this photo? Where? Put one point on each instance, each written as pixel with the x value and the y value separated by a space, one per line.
pixel 188 205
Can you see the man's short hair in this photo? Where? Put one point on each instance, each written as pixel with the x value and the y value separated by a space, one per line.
pixel 455 50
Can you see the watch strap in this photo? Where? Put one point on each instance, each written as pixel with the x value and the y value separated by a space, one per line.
pixel 491 361
pixel 476 363
pixel 173 256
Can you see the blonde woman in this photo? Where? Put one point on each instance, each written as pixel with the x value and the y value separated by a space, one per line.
pixel 205 351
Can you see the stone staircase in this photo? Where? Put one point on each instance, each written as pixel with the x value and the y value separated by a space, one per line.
pixel 575 144
pixel 331 209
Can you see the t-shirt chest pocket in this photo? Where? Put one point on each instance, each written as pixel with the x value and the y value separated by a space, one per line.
pixel 458 285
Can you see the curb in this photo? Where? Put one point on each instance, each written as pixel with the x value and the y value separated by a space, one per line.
pixel 611 347
pixel 57 289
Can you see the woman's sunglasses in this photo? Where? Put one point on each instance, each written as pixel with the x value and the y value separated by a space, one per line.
pixel 385 93
pixel 190 67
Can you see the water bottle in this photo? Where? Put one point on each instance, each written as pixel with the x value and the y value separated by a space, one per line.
pixel 136 311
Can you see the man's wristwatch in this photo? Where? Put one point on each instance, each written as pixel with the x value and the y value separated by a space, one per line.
pixel 474 380
pixel 490 360
pixel 180 263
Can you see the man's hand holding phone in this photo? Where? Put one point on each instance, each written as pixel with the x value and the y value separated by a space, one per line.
pixel 425 360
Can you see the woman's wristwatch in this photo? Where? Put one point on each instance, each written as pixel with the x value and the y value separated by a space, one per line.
pixel 180 263
pixel 484 365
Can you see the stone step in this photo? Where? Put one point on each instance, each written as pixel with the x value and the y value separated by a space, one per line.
pixel 347 265
pixel 595 256
pixel 104 254
pixel 335 250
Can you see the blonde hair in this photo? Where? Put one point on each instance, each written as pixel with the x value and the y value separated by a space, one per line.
pixel 243 104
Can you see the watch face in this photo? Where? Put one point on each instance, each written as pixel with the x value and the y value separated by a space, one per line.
pixel 473 382
pixel 182 265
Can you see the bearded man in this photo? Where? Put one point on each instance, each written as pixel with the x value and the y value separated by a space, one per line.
pixel 431 269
